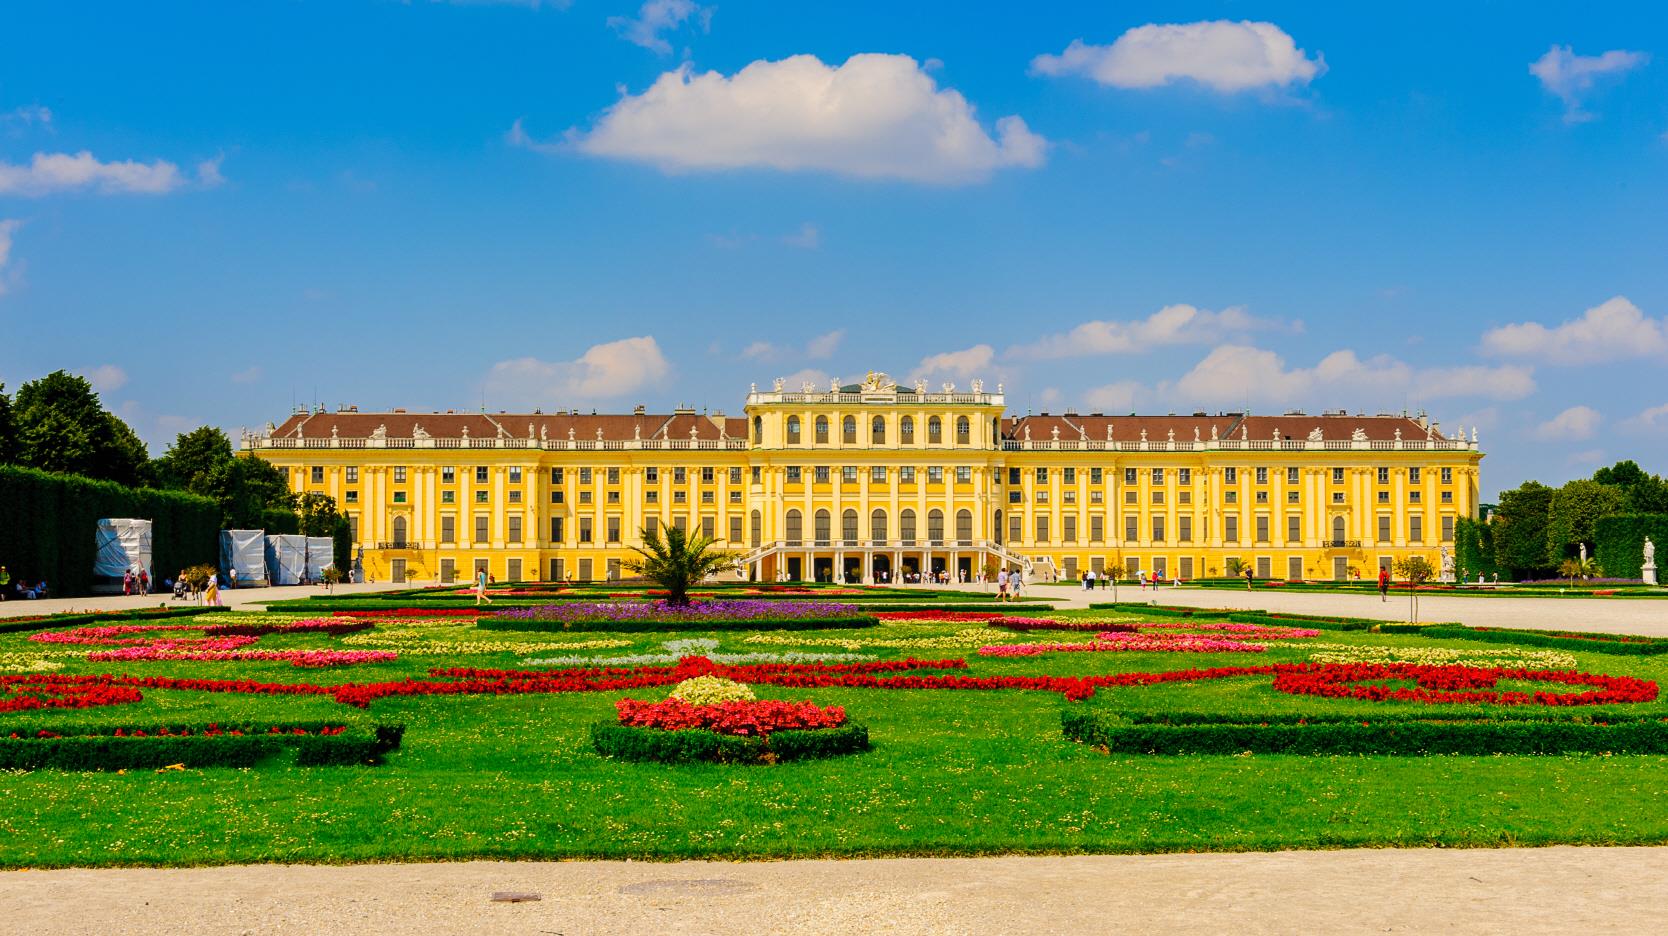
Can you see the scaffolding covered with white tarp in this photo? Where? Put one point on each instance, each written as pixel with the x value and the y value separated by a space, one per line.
pixel 244 551
pixel 123 546
pixel 286 558
pixel 321 552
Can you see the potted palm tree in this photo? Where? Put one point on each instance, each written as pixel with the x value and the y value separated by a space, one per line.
pixel 677 561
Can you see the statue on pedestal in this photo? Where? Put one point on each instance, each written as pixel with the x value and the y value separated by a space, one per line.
pixel 1649 569
pixel 1447 565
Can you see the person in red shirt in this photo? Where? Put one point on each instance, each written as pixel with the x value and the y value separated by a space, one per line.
pixel 1383 584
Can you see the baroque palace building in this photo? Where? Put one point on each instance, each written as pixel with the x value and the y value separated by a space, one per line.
pixel 873 482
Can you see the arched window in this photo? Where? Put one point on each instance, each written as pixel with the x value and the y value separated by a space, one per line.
pixel 935 525
pixel 877 525
pixel 848 527
pixel 964 525
pixel 877 431
pixel 399 531
pixel 906 526
pixel 795 528
pixel 906 431
pixel 824 529
pixel 758 430
pixel 848 430
pixel 822 430
pixel 964 431
pixel 758 528
pixel 1337 530
pixel 793 430
pixel 935 431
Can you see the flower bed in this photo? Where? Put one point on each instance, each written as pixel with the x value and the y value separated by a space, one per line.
pixel 300 658
pixel 1123 642
pixel 1353 735
pixel 33 691
pixel 1440 656
pixel 758 614
pixel 754 718
pixel 1618 644
pixel 1035 624
pixel 674 650
pixel 1462 685
pixel 69 747
pixel 681 747
pixel 714 719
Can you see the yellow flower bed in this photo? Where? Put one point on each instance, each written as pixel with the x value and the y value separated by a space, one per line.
pixel 32 662
pixel 1441 656
pixel 960 640
pixel 711 690
pixel 416 643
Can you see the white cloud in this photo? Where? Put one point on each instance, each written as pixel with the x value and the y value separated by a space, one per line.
pixel 1221 55
pixel 818 379
pixel 107 377
pixel 8 271
pixel 1571 76
pixel 968 362
pixel 605 371
pixel 248 375
pixel 28 116
pixel 819 348
pixel 1237 374
pixel 876 116
pixel 656 17
pixel 806 238
pixel 1171 325
pixel 1611 331
pixel 1650 419
pixel 208 172
pixel 1586 457
pixel 1577 422
pixel 1119 397
pixel 49 173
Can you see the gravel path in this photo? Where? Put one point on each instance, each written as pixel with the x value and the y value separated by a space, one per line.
pixel 1516 891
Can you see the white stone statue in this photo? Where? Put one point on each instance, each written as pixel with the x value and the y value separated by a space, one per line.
pixel 637 432
pixel 1358 435
pixel 949 386
pixel 418 432
pixel 998 388
pixel 1245 433
pixel 1027 433
pixel 1277 435
pixel 778 384
pixel 599 433
pixel 833 385
pixel 1108 432
pixel 380 432
pixel 1473 435
pixel 978 385
pixel 1583 553
pixel 1213 432
pixel 333 432
pixel 502 434
pixel 807 387
pixel 1398 434
pixel 1054 433
pixel 1143 435
pixel 1315 435
pixel 1171 436
pixel 1082 434
pixel 1650 552
pixel 570 434
pixel 1195 433
pixel 531 432
pixel 466 433
pixel 753 388
pixel 920 386
pixel 544 433
pixel 694 433
pixel 1447 565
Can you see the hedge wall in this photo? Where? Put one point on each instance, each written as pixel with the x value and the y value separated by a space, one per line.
pixel 1621 542
pixel 682 747
pixel 1617 644
pixel 634 627
pixel 1369 735
pixel 48 523
pixel 97 748
pixel 1474 547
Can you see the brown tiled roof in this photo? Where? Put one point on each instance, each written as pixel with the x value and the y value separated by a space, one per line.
pixel 354 425
pixel 1124 428
pixel 706 427
pixel 1377 428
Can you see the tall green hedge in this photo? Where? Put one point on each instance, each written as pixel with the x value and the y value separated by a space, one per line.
pixel 48 523
pixel 1474 547
pixel 1621 542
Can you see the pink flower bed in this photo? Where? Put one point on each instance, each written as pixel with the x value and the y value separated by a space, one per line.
pixel 1259 631
pixel 1110 642
pixel 302 658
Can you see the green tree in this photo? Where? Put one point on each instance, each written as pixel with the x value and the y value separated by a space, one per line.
pixel 246 488
pixel 678 561
pixel 1417 570
pixel 1646 493
pixel 1573 569
pixel 1520 529
pixel 192 457
pixel 8 429
pixel 1573 510
pixel 62 426
pixel 318 514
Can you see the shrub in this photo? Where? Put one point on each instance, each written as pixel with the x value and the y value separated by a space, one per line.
pixel 1617 644
pixel 35 746
pixel 1620 541
pixel 682 747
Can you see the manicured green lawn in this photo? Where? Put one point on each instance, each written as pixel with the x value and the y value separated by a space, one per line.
pixel 951 772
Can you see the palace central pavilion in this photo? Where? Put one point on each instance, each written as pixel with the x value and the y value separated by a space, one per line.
pixel 875 482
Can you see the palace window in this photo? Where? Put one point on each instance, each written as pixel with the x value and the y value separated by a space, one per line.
pixel 1015 496
pixel 1291 476
pixel 584 475
pixel 448 529
pixel 556 475
pixel 556 529
pixel 613 475
pixel 735 475
pixel 515 475
pixel 1337 476
pixel 1230 497
pixel 1158 497
pixel 1416 529
pixel 848 474
pixel 1413 476
pixel 1447 497
pixel 584 529
pixel 906 431
pixel 1158 475
pixel 480 497
pixel 1095 496
pixel 793 474
pixel 679 496
pixel 1132 528
pixel 906 474
pixel 1384 528
pixel 1042 475
pixel 1129 475
pixel 935 525
pixel 877 431
pixel 679 476
pixel 706 497
pixel 1448 528
pixel 1131 497
pixel 514 529
pixel 877 474
pixel 353 497
pixel 1158 529
pixel 758 430
pixel 451 497
pixel 964 431
pixel 480 474
pixel 1413 497
pixel 1069 475
pixel 1042 496
pixel 1230 475
pixel 821 474
pixel 1184 529
pixel 1294 528
pixel 935 430
pixel 651 496
pixel 935 474
pixel 1014 476
pixel 447 475
pixel 651 475
pixel 1447 475
pixel 318 474
pixel 1262 497
pixel 1097 528
pixel 1262 475
pixel 1016 528
pixel 707 527
pixel 1384 497
pixel 1384 476
pixel 848 430
pixel 1291 497
pixel 1184 497
pixel 1230 529
pixel 735 528
pixel 793 430
pixel 483 527
pixel 758 474
pixel 584 497
pixel 877 525
pixel 1095 476
pixel 1068 497
pixel 1184 475
pixel 822 430
pixel 1042 528
pixel 1262 529
pixel 399 475
pixel 1068 528
pixel 906 526
pixel 399 497
pixel 964 474
pixel 1337 497
pixel 707 476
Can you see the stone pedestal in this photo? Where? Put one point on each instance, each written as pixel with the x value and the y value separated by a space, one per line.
pixel 1648 573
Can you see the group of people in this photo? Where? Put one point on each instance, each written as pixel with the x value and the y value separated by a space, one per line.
pixel 21 588
pixel 136 582
pixel 1008 585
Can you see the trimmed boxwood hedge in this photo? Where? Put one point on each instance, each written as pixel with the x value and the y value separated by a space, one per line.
pixel 635 627
pixel 1633 646
pixel 53 621
pixel 98 748
pixel 690 745
pixel 48 523
pixel 1371 734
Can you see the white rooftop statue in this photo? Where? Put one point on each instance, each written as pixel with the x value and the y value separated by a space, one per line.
pixel 1055 433
pixel 1171 436
pixel 333 432
pixel 570 434
pixel 1196 433
pixel 466 432
pixel 599 433
pixel 1316 435
pixel 778 384
pixel 1213 432
pixel 1398 435
pixel 1143 435
pixel 637 432
pixel 807 387
pixel 1359 435
pixel 949 387
pixel 978 385
pixel 920 386
pixel 418 432
pixel 380 432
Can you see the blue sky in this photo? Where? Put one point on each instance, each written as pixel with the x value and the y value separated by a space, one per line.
pixel 216 210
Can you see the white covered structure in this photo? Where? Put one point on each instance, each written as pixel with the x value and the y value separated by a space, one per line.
pixel 321 552
pixel 245 551
pixel 123 546
pixel 286 558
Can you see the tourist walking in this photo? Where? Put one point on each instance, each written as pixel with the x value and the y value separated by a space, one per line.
pixel 1383 584
pixel 1002 585
pixel 1248 577
pixel 5 580
pixel 212 594
pixel 144 582
pixel 480 587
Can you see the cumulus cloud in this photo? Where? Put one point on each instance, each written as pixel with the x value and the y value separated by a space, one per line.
pixel 1572 77
pixel 604 372
pixel 876 116
pixel 1612 331
pixel 1650 419
pixel 1240 374
pixel 1172 325
pixel 51 173
pixel 1123 396
pixel 1577 422
pixel 1221 55
pixel 107 377
pixel 819 348
pixel 656 17
pixel 968 362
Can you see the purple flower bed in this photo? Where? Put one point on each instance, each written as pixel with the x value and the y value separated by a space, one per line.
pixel 656 615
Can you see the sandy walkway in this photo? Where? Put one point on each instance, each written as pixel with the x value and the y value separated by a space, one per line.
pixel 1517 891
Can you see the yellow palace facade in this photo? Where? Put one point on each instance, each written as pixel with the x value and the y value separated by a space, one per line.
pixel 877 482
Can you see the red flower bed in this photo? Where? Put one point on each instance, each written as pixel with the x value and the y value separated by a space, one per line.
pixel 1464 685
pixel 413 612
pixel 973 616
pixel 1036 624
pixel 36 691
pixel 326 626
pixel 752 719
